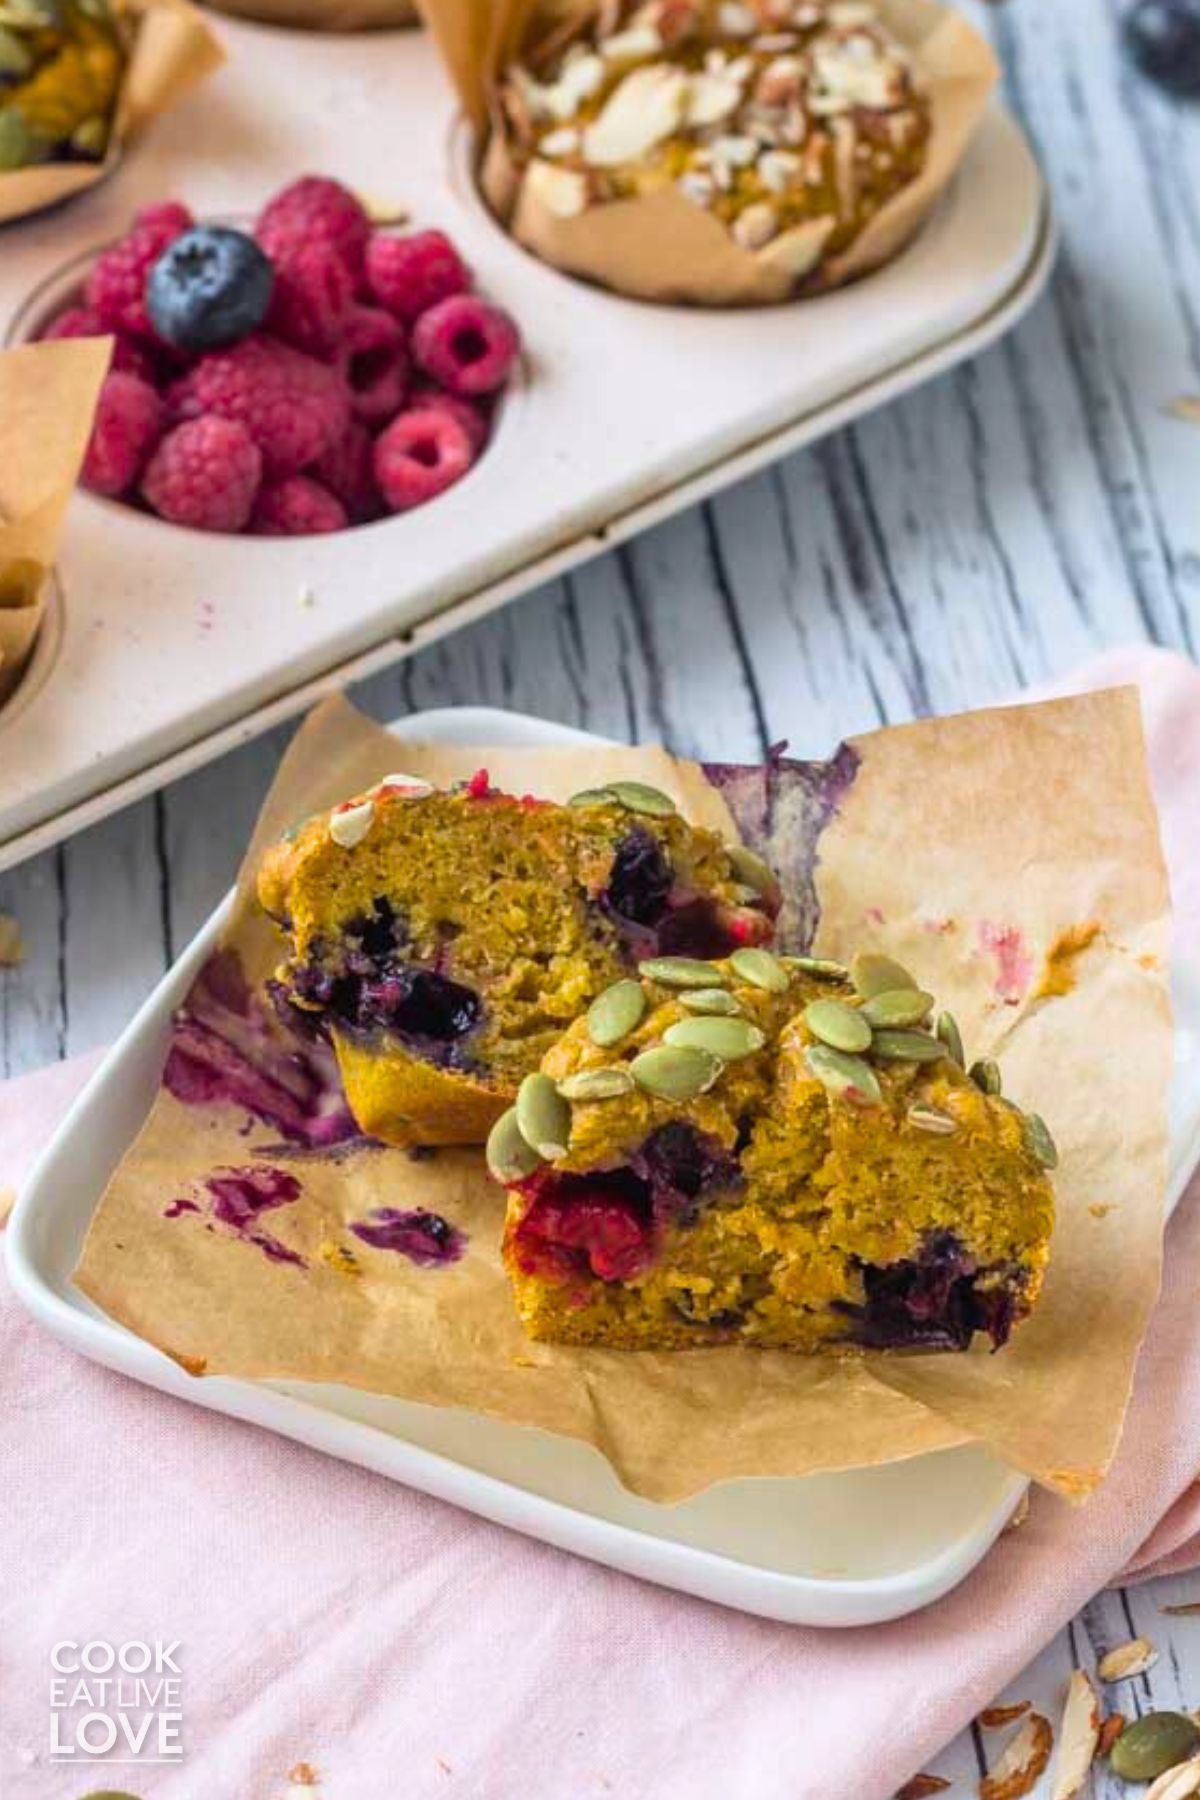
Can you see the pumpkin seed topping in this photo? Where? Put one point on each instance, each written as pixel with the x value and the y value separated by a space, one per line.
pixel 589 797
pixel 845 1077
pixel 986 1075
pixel 727 1039
pixel 752 870
pixel 675 1071
pixel 1041 1143
pixel 839 1025
pixel 710 1000
pixel 761 969
pixel 898 1007
pixel 951 1036
pixel 928 1118
pixel 597 1084
pixel 543 1117
pixel 820 966
pixel 873 975
pixel 907 1046
pixel 509 1157
pixel 682 972
pixel 639 797
pixel 615 1013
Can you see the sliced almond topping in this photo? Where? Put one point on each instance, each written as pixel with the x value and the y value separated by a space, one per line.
pixel 1021 1763
pixel 736 20
pixel 711 98
pixel 349 825
pixel 778 169
pixel 1110 1731
pixel 563 192
pixel 798 250
pixel 639 40
pixel 1078 1737
pixel 993 1716
pixel 580 77
pixel 563 142
pixel 642 110
pixel 756 226
pixel 1127 1660
pixel 1179 1783
pixel 921 1787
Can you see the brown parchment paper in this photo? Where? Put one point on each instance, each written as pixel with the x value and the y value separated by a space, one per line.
pixel 323 15
pixel 48 398
pixel 662 246
pixel 172 49
pixel 990 852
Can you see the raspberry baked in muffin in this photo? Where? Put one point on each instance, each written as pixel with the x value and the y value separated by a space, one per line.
pixel 776 1152
pixel 444 941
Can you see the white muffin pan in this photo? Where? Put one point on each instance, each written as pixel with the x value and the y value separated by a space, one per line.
pixel 854 1548
pixel 174 645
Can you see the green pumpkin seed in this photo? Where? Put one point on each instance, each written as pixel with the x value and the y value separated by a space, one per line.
pixel 509 1157
pixel 951 1036
pixel 727 1039
pixel 819 966
pixel 16 59
pixel 745 896
pixel 638 797
pixel 752 870
pixel 761 969
pixel 675 1072
pixel 873 975
pixel 986 1075
pixel 845 1077
pixel 543 1116
pixel 588 797
pixel 597 1084
pixel 615 1013
pixel 710 1000
pixel 928 1118
pixel 898 1007
pixel 90 136
pixel 1152 1745
pixel 1041 1143
pixel 835 1023
pixel 682 972
pixel 907 1046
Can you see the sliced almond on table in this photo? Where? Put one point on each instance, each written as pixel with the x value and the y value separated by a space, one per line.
pixel 1184 1610
pixel 1022 1761
pixel 1127 1660
pixel 1179 1783
pixel 1187 408
pixel 1078 1737
pixel 1110 1731
pixel 921 1787
pixel 992 1716
pixel 12 949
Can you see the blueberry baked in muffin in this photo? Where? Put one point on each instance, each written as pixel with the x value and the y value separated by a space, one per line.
pixel 444 940
pixel 776 1152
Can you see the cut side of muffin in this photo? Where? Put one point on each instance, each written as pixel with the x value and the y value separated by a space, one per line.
pixel 444 941
pixel 788 1156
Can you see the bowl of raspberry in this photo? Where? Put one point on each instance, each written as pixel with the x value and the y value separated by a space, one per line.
pixel 308 374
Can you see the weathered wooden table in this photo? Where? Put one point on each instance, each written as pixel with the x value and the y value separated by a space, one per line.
pixel 994 529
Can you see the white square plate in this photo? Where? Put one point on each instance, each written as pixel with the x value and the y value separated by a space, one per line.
pixel 845 1549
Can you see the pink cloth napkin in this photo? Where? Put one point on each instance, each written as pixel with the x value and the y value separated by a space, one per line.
pixel 405 1648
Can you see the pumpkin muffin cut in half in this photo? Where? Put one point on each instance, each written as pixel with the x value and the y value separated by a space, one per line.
pixel 772 1151
pixel 443 941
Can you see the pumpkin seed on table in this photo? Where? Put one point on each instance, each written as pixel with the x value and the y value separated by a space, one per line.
pixel 640 797
pixel 675 1071
pixel 682 972
pixel 898 1007
pixel 597 1084
pixel 986 1075
pixel 1040 1141
pixel 1153 1744
pixel 846 1077
pixel 615 1013
pixel 752 870
pixel 588 797
pixel 839 1025
pixel 872 974
pixel 508 1156
pixel 710 1000
pixel 907 1046
pixel 951 1036
pixel 727 1039
pixel 543 1116
pixel 928 1118
pixel 761 968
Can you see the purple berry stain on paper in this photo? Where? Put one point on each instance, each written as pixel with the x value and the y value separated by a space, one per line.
pixel 237 1199
pixel 1014 963
pixel 426 1238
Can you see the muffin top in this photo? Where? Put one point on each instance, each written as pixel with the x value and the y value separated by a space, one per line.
pixel 792 121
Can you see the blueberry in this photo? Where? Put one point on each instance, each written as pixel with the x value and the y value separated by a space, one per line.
pixel 1163 37
pixel 212 286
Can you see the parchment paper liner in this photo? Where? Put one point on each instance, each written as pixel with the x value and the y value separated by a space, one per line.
pixel 1037 819
pixel 173 48
pixel 323 15
pixel 47 401
pixel 662 246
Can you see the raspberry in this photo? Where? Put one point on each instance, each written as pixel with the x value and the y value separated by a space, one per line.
pixel 347 470
pixel 315 210
pixel 410 274
pixel 421 453
pixel 128 424
pixel 295 508
pixel 116 287
pixel 293 406
pixel 466 346
pixel 375 364
pixel 313 294
pixel 166 215
pixel 206 474
pixel 474 422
